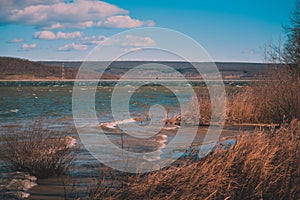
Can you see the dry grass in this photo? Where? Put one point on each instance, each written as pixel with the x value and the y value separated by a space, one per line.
pixel 241 107
pixel 277 96
pixel 40 151
pixel 273 98
pixel 263 165
pixel 203 114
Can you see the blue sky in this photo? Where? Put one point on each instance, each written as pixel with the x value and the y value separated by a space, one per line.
pixel 230 30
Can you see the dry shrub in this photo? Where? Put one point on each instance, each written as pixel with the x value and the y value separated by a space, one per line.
pixel 40 151
pixel 276 95
pixel 264 165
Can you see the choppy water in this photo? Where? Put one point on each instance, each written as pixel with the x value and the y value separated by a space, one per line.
pixel 52 104
pixel 55 101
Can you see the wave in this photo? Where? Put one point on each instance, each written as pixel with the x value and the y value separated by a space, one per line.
pixel 112 125
pixel 14 110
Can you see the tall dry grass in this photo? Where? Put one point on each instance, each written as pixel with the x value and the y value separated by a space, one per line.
pixel 38 150
pixel 209 106
pixel 241 107
pixel 264 165
pixel 277 95
pixel 273 98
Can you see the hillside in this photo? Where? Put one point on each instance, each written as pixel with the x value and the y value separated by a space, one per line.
pixel 229 70
pixel 21 69
pixel 17 69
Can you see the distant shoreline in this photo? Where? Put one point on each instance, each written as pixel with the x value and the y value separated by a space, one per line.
pixel 135 80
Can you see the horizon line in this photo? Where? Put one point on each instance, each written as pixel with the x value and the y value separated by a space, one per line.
pixel 135 60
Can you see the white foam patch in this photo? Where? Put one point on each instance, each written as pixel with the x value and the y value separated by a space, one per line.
pixel 112 125
pixel 170 128
pixel 162 139
pixel 14 110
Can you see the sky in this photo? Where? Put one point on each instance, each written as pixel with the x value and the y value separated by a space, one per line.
pixel 229 30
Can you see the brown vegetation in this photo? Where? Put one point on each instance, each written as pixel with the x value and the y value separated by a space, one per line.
pixel 277 99
pixel 40 151
pixel 273 99
pixel 260 166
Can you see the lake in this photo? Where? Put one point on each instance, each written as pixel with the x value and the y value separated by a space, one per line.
pixel 51 104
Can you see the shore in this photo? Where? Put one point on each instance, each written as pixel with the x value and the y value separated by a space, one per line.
pixel 124 80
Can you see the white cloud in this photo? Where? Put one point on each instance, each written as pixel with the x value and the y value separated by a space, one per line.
pixel 126 42
pixel 48 35
pixel 130 41
pixel 73 46
pixel 122 22
pixel 89 40
pixel 28 46
pixel 56 14
pixel 137 41
pixel 61 35
pixel 45 35
pixel 17 40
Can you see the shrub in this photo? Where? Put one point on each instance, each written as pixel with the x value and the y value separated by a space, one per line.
pixel 38 150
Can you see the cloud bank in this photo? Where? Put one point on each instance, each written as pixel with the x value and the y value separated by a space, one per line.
pixel 48 35
pixel 57 14
pixel 132 42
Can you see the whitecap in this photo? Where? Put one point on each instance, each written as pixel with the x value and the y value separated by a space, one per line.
pixel 170 128
pixel 112 125
pixel 162 139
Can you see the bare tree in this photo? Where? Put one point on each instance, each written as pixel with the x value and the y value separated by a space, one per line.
pixel 292 46
pixel 278 97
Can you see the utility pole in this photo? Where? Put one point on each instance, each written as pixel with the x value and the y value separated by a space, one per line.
pixel 63 71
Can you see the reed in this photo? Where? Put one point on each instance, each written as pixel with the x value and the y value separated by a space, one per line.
pixel 263 165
